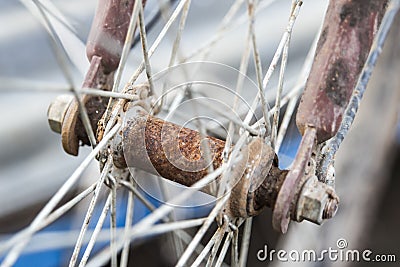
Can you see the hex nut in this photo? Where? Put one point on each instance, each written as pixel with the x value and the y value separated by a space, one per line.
pixel 317 202
pixel 57 110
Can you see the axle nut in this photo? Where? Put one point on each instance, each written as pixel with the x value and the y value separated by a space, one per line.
pixel 317 202
pixel 57 110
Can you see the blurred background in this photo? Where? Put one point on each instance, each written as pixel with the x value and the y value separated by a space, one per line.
pixel 33 164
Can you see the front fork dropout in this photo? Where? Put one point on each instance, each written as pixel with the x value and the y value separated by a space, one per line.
pixel 348 32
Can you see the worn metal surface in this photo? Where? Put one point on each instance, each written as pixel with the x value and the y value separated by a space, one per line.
pixel 107 35
pixel 174 152
pixel 348 32
pixel 57 110
pixel 103 49
pixel 72 129
pixel 257 159
pixel 317 202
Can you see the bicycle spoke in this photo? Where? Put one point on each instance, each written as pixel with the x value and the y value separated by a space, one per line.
pixel 101 258
pixel 143 38
pixel 96 231
pixel 244 62
pixel 16 250
pixel 197 238
pixel 277 56
pixel 275 119
pixel 182 235
pixel 113 223
pixel 128 226
pixel 89 213
pixel 23 86
pixel 158 40
pixel 146 224
pixel 20 236
pixel 224 250
pixel 245 242
pixel 251 5
pixel 217 236
pixel 139 195
pixel 217 244
pixel 175 46
pixel 61 58
pixel 301 82
pixel 71 43
pixel 235 248
pixel 127 45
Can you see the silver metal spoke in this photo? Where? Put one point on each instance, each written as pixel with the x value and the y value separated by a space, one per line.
pixel 224 250
pixel 158 40
pixel 16 250
pixel 96 231
pixel 175 46
pixel 235 248
pixel 275 120
pixel 62 58
pixel 128 226
pixel 282 44
pixel 158 229
pixel 125 52
pixel 143 38
pixel 147 223
pixel 71 43
pixel 98 92
pixel 113 223
pixel 301 82
pixel 66 239
pixel 244 248
pixel 217 244
pixel 217 236
pixel 23 86
pixel 89 213
pixel 277 54
pixel 251 5
pixel 197 238
pixel 244 62
pixel 127 45
pixel 20 236
pixel 139 195
pixel 130 186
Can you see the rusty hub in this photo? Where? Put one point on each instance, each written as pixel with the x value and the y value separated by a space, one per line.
pixel 255 181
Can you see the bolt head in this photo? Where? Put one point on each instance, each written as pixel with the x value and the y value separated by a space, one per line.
pixel 57 110
pixel 313 206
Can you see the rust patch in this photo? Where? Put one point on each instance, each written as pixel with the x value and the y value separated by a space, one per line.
pixel 337 82
pixel 268 191
pixel 95 107
pixel 355 11
pixel 143 148
pixel 349 30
